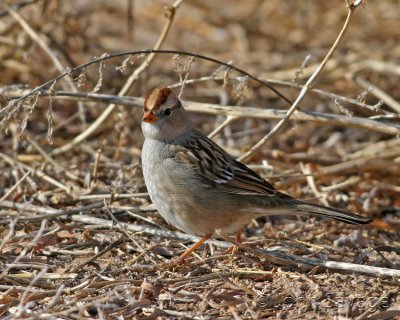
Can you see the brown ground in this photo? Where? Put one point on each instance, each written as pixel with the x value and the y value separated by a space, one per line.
pixel 66 252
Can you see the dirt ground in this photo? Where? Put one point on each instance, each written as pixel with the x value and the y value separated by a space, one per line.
pixel 80 238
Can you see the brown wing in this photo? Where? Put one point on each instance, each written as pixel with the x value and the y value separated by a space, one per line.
pixel 213 163
pixel 229 175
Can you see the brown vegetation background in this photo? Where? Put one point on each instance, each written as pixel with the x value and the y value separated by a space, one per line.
pixel 79 236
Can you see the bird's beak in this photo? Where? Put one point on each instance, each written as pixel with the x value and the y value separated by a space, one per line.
pixel 149 117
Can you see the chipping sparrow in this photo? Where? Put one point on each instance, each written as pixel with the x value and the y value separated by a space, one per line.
pixel 198 187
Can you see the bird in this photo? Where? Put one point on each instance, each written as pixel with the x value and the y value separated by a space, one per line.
pixel 198 187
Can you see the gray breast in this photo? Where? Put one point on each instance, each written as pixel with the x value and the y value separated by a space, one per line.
pixel 185 199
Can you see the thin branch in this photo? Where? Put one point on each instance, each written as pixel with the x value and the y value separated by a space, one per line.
pixel 36 38
pixel 18 6
pixel 7 237
pixel 379 93
pixel 384 67
pixel 21 307
pixel 282 258
pixel 311 182
pixel 15 186
pixel 23 252
pixel 331 95
pixel 170 14
pixel 248 112
pixel 354 165
pixel 218 129
pixel 45 213
pixel 336 265
pixel 39 173
pixel 272 255
pixel 114 244
pixel 14 103
pixel 144 229
pixel 303 91
pixel 51 161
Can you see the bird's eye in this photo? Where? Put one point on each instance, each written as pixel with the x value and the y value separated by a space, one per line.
pixel 168 111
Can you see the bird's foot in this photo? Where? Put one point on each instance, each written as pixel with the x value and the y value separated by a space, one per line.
pixel 231 250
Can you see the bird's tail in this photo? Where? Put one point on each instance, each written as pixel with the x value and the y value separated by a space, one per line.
pixel 333 213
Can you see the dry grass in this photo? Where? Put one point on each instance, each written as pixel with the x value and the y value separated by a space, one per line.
pixel 80 238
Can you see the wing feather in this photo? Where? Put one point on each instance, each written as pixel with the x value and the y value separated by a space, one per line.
pixel 214 164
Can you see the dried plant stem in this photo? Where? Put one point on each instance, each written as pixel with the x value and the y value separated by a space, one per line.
pixel 331 95
pixel 290 84
pixel 218 129
pixel 23 252
pixel 15 186
pixel 113 196
pixel 45 213
pixel 311 182
pixel 7 237
pixel 271 255
pixel 38 173
pixel 375 149
pixel 342 185
pixel 333 265
pixel 283 258
pixel 101 253
pixel 379 93
pixel 35 278
pixel 218 275
pixel 354 165
pixel 143 229
pixel 50 160
pixel 384 67
pixel 35 37
pixel 249 112
pixel 170 14
pixel 274 114
pixel 303 91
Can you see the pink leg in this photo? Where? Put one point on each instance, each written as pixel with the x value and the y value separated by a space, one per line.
pixel 192 248
pixel 238 240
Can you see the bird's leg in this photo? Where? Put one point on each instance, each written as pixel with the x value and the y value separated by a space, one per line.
pixel 192 248
pixel 239 236
pixel 238 240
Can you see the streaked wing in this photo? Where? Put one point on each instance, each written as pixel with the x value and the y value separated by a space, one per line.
pixel 213 163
